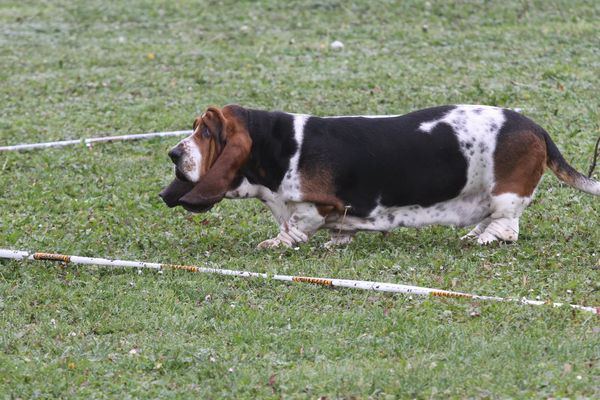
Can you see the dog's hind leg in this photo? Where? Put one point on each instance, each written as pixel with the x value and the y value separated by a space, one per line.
pixel 504 221
pixel 519 163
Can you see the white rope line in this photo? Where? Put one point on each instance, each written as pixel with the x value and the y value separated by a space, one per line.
pixel 90 141
pixel 347 283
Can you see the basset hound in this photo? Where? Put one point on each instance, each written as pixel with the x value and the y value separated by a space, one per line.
pixel 459 165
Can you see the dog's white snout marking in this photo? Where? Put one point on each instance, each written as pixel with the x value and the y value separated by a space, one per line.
pixel 191 159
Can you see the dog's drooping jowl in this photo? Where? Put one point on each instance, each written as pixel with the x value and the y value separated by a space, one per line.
pixel 461 165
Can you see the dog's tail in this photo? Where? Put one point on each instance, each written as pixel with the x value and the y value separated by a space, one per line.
pixel 569 175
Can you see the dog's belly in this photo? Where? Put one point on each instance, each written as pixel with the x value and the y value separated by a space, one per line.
pixel 464 210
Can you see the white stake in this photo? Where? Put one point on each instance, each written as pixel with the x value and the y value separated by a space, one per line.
pixel 90 141
pixel 355 284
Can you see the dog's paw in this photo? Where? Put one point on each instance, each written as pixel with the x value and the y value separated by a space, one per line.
pixel 273 244
pixel 469 236
pixel 486 238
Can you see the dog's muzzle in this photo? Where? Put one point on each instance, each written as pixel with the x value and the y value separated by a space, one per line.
pixel 178 188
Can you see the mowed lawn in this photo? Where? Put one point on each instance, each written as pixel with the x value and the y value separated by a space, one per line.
pixel 73 69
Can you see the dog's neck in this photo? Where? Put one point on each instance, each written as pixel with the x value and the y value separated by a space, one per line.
pixel 273 145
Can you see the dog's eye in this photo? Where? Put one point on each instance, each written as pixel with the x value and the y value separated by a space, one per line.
pixel 205 133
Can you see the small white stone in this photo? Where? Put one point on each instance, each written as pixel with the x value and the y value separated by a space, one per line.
pixel 336 45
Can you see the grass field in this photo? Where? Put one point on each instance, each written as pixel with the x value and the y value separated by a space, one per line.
pixel 71 69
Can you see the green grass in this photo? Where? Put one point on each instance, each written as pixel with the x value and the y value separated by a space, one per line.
pixel 71 69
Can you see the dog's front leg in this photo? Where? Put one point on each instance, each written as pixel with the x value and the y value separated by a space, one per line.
pixel 303 222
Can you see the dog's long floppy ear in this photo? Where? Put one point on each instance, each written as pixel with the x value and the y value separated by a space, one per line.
pixel 233 134
pixel 215 121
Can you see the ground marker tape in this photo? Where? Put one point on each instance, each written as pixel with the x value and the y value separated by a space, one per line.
pixel 365 285
pixel 90 141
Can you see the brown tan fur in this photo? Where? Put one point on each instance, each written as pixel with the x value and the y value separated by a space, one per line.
pixel 318 188
pixel 519 163
pixel 569 176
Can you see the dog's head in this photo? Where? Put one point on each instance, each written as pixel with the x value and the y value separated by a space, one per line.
pixel 207 162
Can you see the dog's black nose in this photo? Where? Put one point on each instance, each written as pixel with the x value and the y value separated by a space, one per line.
pixel 175 154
